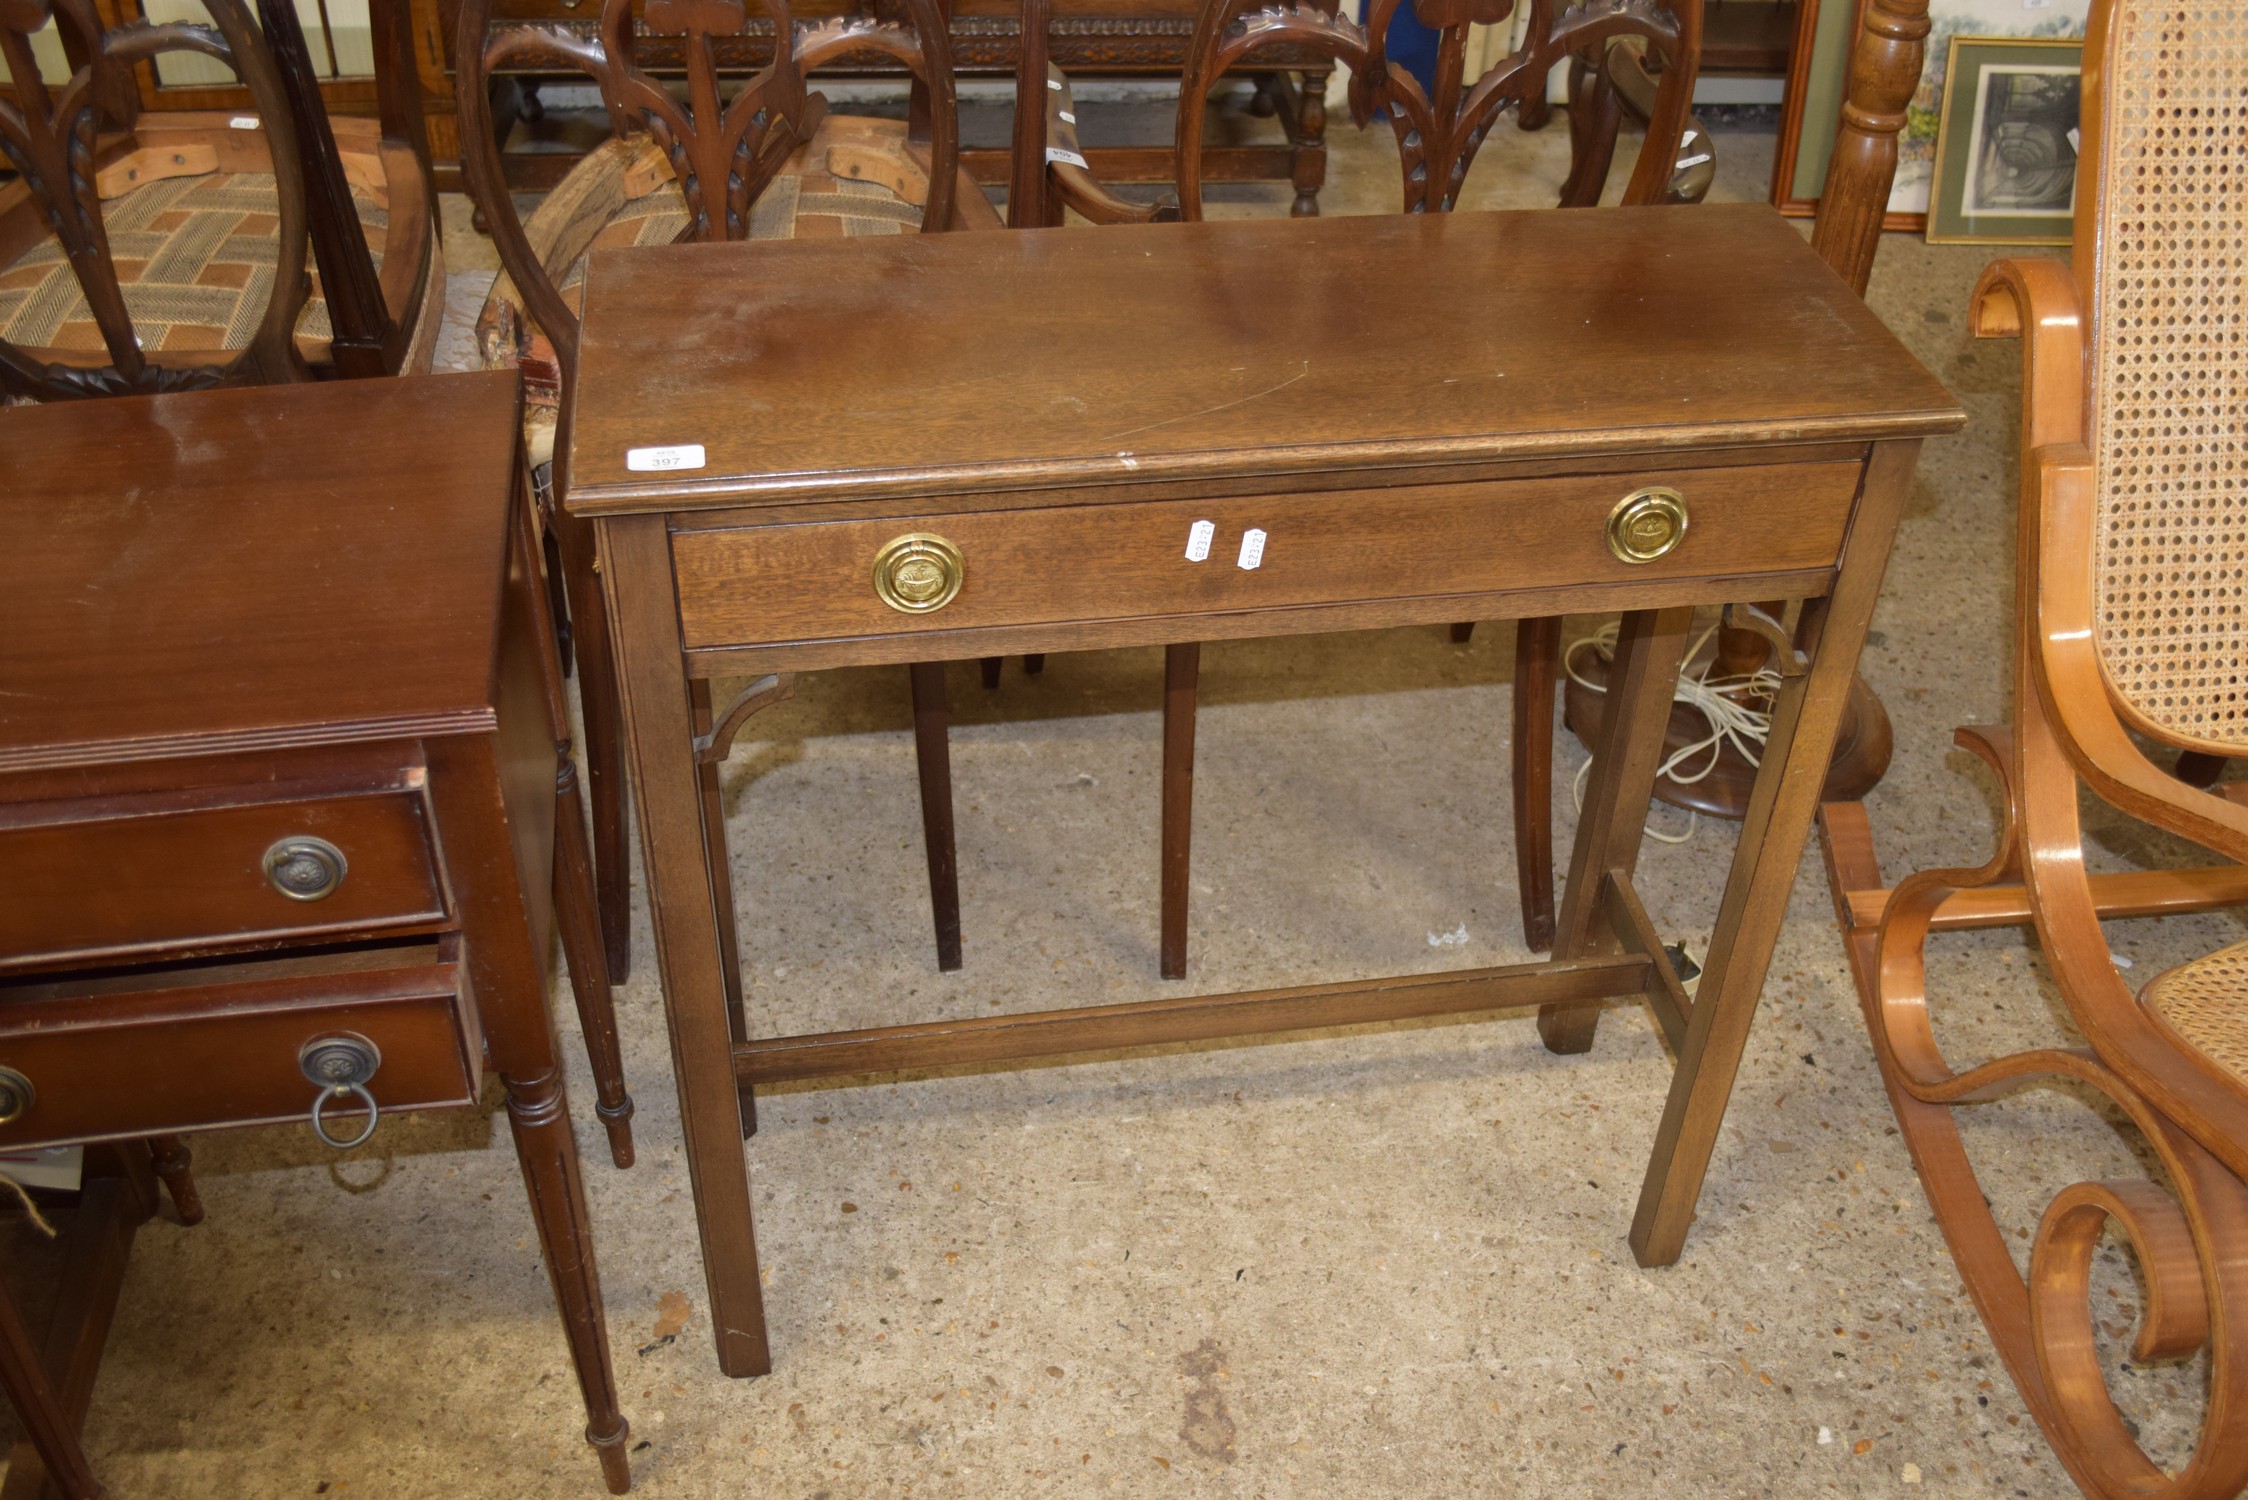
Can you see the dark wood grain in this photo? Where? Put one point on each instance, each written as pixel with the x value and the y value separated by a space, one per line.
pixel 127 500
pixel 1167 350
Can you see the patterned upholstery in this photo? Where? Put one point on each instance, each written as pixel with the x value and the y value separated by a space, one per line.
pixel 195 257
pixel 2171 369
pixel 806 202
pixel 2206 1003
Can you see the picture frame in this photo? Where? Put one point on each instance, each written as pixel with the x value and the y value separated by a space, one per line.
pixel 2004 171
pixel 1818 76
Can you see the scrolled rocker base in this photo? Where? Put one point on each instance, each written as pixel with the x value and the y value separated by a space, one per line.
pixel 2185 1233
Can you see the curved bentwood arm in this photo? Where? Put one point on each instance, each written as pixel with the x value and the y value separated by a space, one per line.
pixel 52 138
pixel 1437 137
pixel 723 152
pixel 2186 1230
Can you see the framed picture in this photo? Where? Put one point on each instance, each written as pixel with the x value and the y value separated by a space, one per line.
pixel 1818 75
pixel 2005 165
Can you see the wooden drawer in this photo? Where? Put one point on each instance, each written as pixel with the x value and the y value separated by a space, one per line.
pixel 75 890
pixel 814 581
pixel 132 1053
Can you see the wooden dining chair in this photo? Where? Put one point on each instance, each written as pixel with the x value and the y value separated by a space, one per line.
pixel 1653 51
pixel 144 252
pixel 2127 642
pixel 768 162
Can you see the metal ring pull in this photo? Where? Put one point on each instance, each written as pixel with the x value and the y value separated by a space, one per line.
pixel 331 1096
pixel 340 1067
pixel 918 573
pixel 1646 524
pixel 16 1095
pixel 304 868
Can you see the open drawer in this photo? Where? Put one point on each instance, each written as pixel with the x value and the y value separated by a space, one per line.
pixel 155 1049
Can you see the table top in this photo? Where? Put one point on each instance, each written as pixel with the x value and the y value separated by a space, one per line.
pixel 956 363
pixel 231 569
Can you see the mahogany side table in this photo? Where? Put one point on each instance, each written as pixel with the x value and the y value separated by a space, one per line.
pixel 277 796
pixel 1060 441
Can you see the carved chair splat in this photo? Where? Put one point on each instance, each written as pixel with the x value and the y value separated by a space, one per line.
pixel 92 167
pixel 767 160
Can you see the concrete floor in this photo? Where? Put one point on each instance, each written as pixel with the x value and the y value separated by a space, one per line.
pixel 1384 1262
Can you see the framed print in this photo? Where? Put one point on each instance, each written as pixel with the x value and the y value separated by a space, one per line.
pixel 2005 166
pixel 1818 75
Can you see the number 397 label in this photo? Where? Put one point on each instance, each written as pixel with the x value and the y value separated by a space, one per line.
pixel 663 460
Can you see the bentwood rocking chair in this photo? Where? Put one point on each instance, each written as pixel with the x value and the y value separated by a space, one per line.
pixel 1610 52
pixel 2131 631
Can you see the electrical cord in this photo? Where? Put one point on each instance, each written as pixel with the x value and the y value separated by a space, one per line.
pixel 1730 722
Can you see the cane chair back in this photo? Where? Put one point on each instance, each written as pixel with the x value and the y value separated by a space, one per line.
pixel 2169 368
pixel 107 327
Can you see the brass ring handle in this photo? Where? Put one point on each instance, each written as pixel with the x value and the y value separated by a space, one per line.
pixel 304 868
pixel 16 1095
pixel 1646 524
pixel 918 573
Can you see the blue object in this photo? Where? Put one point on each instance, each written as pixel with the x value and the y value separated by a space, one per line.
pixel 1412 46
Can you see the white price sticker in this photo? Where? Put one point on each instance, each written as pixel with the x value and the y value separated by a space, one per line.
pixel 664 460
pixel 1198 541
pixel 1065 114
pixel 244 122
pixel 1055 84
pixel 1252 548
pixel 1056 153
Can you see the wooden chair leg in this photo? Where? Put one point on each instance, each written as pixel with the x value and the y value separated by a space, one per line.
pixel 1537 662
pixel 932 751
pixel 577 913
pixel 1463 632
pixel 540 1119
pixel 172 1160
pixel 604 743
pixel 712 801
pixel 23 1376
pixel 1182 671
pixel 1034 662
pixel 990 666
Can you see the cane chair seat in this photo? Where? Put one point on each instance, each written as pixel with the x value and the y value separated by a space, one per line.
pixel 622 194
pixel 196 253
pixel 2205 1001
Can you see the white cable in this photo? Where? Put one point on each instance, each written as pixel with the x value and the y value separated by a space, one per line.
pixel 1730 722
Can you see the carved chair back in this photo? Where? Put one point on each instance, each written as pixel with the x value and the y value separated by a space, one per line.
pixel 1438 133
pixel 2161 207
pixel 60 139
pixel 722 151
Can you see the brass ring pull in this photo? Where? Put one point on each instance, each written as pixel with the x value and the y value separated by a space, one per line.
pixel 304 868
pixel 16 1095
pixel 1646 524
pixel 918 574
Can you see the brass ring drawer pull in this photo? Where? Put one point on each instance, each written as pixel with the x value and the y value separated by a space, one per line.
pixel 16 1095
pixel 918 573
pixel 1646 524
pixel 304 868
